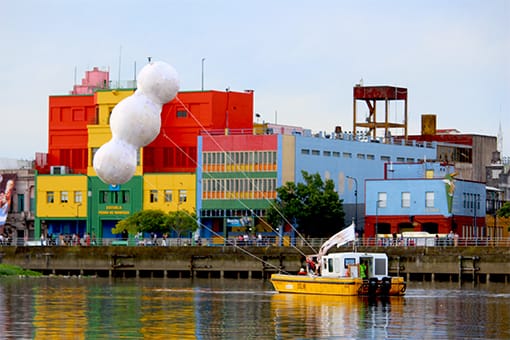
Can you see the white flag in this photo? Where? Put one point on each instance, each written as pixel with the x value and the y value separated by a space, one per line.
pixel 339 239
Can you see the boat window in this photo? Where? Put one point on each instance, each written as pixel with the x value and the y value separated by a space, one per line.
pixel 337 265
pixel 330 265
pixel 380 267
pixel 348 261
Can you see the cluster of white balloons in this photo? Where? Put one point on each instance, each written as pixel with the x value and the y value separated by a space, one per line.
pixel 135 122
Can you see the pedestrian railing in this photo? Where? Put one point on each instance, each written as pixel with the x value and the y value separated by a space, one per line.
pixel 274 241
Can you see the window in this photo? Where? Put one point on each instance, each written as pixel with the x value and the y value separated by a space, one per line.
pixel 381 199
pixel 153 196
pixel 336 154
pixel 347 155
pixel 182 196
pixel 385 158
pixel 305 151
pixel 168 195
pixel 361 156
pixel 103 197
pixel 316 152
pixel 327 153
pixel 125 196
pixel 78 197
pixel 370 157
pixel 181 114
pixel 429 199
pixel 114 197
pixel 349 261
pixel 50 196
pixel 64 197
pixel 21 202
pixel 406 200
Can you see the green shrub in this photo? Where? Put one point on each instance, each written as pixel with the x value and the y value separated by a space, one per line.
pixel 9 270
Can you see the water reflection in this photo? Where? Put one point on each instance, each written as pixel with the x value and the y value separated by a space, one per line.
pixel 218 309
pixel 60 313
pixel 318 316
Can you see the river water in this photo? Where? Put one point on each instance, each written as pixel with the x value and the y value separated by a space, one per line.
pixel 98 308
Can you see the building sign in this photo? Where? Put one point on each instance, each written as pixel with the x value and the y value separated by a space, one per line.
pixel 7 182
pixel 113 210
pixel 239 221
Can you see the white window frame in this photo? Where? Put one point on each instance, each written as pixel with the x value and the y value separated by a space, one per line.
pixel 406 199
pixel 429 199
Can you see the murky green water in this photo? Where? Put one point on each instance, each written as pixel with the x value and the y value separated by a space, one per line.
pixel 92 308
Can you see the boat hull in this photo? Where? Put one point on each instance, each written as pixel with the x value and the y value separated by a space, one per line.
pixel 341 286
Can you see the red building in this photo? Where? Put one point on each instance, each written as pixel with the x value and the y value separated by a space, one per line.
pixel 67 132
pixel 189 115
pixel 175 148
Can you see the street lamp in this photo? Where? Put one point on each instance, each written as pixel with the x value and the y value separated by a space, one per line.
pixel 356 200
pixel 203 60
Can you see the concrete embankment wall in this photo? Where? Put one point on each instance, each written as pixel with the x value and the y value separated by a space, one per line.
pixel 480 264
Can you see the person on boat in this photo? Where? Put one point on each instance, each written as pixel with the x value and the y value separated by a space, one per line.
pixel 363 270
pixel 317 268
pixel 310 265
pixel 302 271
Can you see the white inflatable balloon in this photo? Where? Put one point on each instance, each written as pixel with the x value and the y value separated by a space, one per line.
pixel 159 81
pixel 115 162
pixel 135 122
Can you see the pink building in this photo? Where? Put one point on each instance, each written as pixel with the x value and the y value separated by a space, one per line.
pixel 95 79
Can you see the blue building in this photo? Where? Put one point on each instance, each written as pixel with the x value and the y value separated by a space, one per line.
pixel 426 197
pixel 238 174
pixel 349 162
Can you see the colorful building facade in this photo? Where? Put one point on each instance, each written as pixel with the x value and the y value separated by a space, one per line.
pixel 426 197
pixel 71 199
pixel 208 159
pixel 238 175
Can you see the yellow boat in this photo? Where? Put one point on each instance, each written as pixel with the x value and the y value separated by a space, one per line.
pixel 345 274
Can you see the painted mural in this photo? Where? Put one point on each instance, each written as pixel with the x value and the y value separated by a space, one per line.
pixel 7 182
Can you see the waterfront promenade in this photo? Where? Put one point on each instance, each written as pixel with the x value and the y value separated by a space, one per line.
pixel 481 260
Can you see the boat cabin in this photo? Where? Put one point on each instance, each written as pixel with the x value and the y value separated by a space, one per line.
pixel 352 265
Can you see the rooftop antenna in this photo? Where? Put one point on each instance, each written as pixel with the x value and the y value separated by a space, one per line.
pixel 203 60
pixel 134 74
pixel 120 59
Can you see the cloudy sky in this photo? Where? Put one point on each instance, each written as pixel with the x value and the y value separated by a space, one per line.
pixel 301 58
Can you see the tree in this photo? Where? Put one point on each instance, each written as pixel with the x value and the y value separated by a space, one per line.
pixel 313 205
pixel 504 211
pixel 182 221
pixel 144 221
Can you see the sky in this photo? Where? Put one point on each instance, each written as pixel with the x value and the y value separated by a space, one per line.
pixel 301 58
